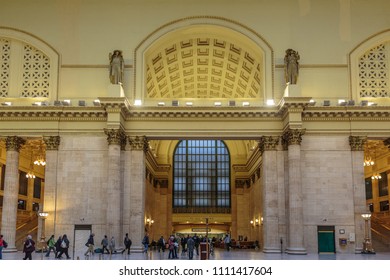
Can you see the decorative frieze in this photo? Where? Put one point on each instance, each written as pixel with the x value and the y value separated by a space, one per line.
pixel 14 143
pixel 52 142
pixel 292 137
pixel 139 143
pixel 115 137
pixel 357 143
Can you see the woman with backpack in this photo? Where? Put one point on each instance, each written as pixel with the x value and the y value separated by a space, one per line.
pixel 28 247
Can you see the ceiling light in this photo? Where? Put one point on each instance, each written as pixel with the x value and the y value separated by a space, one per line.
pixel 245 104
pixel 6 103
pixel 161 103
pixel 189 103
pixel 96 102
pixel 217 103
pixel 137 102
pixel 270 102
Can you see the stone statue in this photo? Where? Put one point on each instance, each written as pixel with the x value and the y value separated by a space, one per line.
pixel 117 65
pixel 291 66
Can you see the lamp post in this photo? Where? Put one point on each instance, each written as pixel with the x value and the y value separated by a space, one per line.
pixel 367 245
pixel 42 216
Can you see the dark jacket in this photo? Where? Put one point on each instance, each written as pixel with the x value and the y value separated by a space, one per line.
pixel 29 246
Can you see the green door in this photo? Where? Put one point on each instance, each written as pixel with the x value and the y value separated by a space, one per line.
pixel 326 241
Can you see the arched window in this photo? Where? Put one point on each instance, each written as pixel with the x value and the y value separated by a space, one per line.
pixel 201 177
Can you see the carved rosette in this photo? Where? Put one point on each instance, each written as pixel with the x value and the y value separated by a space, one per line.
pixel 268 143
pixel 292 137
pixel 116 137
pixel 52 142
pixel 139 143
pixel 14 143
pixel 357 143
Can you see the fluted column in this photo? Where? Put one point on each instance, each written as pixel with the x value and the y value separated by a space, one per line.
pixel 138 146
pixel 268 145
pixel 11 190
pixel 359 195
pixel 293 138
pixel 50 191
pixel 116 138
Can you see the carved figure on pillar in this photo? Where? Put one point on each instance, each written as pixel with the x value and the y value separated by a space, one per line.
pixel 139 143
pixel 357 143
pixel 293 137
pixel 117 66
pixel 115 137
pixel 52 142
pixel 291 66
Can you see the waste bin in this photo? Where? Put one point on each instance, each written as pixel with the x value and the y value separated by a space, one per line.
pixel 204 251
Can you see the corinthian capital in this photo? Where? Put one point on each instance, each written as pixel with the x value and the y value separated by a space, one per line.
pixel 115 137
pixel 268 143
pixel 293 136
pixel 139 143
pixel 14 143
pixel 52 142
pixel 357 143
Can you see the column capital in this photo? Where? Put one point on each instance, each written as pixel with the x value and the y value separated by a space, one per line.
pixel 139 143
pixel 357 142
pixel 52 142
pixel 14 143
pixel 268 143
pixel 116 137
pixel 292 137
pixel 386 142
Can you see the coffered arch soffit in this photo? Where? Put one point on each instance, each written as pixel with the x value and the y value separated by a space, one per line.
pixel 203 59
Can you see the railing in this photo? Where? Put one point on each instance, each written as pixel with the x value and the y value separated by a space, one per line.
pixel 214 210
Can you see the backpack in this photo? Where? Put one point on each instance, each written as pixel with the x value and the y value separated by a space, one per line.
pixel 47 243
pixel 5 244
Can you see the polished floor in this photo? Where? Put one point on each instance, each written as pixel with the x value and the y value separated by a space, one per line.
pixel 219 254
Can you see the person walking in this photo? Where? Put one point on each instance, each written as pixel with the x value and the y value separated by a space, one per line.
pixel 190 247
pixel 112 245
pixel 104 244
pixel 145 242
pixel 171 247
pixel 64 247
pixel 227 242
pixel 197 242
pixel 161 244
pixel 90 244
pixel 28 247
pixel 51 245
pixel 127 242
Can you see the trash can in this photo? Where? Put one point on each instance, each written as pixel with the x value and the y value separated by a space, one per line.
pixel 204 251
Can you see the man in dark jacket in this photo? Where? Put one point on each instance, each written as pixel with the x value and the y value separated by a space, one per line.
pixel 127 242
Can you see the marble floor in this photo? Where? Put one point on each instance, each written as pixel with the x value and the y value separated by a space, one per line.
pixel 219 254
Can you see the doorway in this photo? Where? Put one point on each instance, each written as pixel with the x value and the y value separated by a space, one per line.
pixel 326 239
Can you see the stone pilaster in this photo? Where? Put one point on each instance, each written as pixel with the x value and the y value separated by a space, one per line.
pixel 293 138
pixel 268 144
pixel 359 195
pixel 11 189
pixel 138 147
pixel 116 138
pixel 50 191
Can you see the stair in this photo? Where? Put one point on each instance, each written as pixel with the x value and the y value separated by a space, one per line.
pixel 380 231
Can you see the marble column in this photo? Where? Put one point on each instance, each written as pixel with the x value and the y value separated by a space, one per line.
pixel 358 184
pixel 116 139
pixel 50 191
pixel 293 138
pixel 11 190
pixel 271 239
pixel 138 147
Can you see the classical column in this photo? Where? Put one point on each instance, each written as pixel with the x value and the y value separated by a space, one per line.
pixel 358 184
pixel 293 138
pixel 116 138
pixel 11 190
pixel 268 145
pixel 138 146
pixel 50 191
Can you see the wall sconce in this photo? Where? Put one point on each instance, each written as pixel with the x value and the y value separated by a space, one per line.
pixel 256 222
pixel 149 221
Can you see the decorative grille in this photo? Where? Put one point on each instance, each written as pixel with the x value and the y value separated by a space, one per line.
pixel 5 48
pixel 36 73
pixel 374 72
